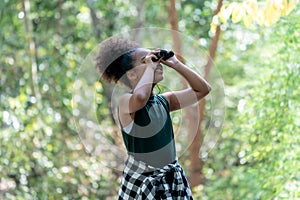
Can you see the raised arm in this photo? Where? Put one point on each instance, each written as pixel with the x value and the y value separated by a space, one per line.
pixel 199 88
pixel 141 78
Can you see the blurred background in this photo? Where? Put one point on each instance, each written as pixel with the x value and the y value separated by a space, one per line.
pixel 252 150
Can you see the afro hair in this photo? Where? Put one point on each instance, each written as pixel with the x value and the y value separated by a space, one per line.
pixel 114 58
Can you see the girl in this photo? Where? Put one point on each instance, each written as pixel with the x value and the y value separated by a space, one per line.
pixel 151 170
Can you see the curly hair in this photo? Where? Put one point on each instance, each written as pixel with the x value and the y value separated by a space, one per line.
pixel 115 59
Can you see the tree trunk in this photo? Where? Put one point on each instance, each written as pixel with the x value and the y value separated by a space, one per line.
pixel 140 19
pixel 97 33
pixel 95 20
pixel 196 164
pixel 195 169
pixel 173 19
pixel 196 175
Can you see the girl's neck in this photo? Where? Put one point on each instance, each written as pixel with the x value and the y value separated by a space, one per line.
pixel 152 93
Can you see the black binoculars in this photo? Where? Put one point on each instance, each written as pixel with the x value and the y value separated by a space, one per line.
pixel 164 54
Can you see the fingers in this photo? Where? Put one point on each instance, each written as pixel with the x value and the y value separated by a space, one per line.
pixel 155 51
pixel 151 57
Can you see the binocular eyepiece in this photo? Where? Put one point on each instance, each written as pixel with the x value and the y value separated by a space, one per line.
pixel 164 54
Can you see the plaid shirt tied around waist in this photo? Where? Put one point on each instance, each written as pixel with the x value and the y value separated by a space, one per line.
pixel 143 182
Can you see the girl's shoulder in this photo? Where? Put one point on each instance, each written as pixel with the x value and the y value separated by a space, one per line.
pixel 163 100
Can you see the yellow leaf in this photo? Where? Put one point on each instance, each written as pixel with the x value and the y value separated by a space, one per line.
pixel 260 17
pixel 285 6
pixel 271 13
pixel 224 15
pixel 238 13
pixel 49 147
pixel 84 9
pixel 231 6
pixel 98 86
pixel 213 27
pixel 268 148
pixel 251 7
pixel 248 19
pixel 276 13
pixel 22 98
pixel 215 20
pixel 290 6
pixel 12 103
pixel 263 13
pixel 256 154
pixel 278 4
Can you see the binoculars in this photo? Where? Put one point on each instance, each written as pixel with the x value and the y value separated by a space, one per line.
pixel 164 54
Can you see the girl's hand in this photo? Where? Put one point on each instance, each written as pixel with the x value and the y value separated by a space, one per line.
pixel 148 59
pixel 171 62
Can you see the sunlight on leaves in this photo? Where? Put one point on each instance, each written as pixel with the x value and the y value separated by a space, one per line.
pixel 252 12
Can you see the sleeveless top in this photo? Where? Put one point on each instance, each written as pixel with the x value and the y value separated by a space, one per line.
pixel 151 138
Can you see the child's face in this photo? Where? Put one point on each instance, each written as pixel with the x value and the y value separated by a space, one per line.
pixel 140 66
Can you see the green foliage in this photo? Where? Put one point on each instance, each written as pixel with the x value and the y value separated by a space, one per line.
pixel 41 154
pixel 258 153
pixel 40 149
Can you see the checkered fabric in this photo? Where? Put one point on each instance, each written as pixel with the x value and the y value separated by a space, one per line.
pixel 143 182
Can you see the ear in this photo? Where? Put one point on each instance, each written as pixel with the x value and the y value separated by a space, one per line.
pixel 131 75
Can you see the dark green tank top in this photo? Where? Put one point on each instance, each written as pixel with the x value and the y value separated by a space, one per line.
pixel 151 138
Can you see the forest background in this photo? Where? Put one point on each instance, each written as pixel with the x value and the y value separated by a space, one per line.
pixel 44 45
